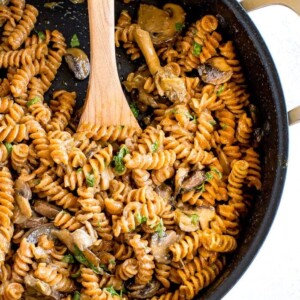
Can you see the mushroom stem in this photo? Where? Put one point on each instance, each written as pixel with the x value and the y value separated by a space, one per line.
pixel 144 42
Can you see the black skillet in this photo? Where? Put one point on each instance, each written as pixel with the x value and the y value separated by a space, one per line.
pixel 264 86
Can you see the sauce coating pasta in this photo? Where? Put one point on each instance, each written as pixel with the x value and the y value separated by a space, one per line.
pixel 101 212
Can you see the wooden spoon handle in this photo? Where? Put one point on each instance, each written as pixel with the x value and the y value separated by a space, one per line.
pixel 105 104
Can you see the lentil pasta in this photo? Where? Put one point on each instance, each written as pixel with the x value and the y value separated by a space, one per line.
pixel 107 212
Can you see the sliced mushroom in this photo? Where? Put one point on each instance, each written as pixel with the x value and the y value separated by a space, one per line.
pixel 162 24
pixel 33 222
pixel 194 179
pixel 147 292
pixel 78 63
pixel 46 209
pixel 36 288
pixel 164 191
pixel 179 178
pixel 23 195
pixel 76 245
pixel 216 71
pixel 33 235
pixel 160 246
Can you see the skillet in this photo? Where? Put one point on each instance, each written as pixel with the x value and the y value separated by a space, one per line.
pixel 265 88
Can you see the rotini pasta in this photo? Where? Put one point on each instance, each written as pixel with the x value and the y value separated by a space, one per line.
pixel 109 212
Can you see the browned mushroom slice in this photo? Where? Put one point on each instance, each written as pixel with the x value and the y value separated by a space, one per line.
pixel 160 246
pixel 179 178
pixel 78 63
pixel 36 288
pixel 46 209
pixel 216 71
pixel 162 24
pixel 23 195
pixel 164 191
pixel 33 222
pixel 194 179
pixel 147 292
pixel 75 245
pixel 33 235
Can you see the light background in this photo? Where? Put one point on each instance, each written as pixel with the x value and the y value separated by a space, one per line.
pixel 275 272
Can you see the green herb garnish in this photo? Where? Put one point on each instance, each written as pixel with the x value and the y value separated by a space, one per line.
pixel 76 275
pixel 209 176
pixel 141 219
pixel 223 126
pixel 33 101
pixel 90 180
pixel 201 187
pixel 194 219
pixel 179 26
pixel 75 41
pixel 68 259
pixel 79 170
pixel 134 109
pixel 41 35
pixel 220 90
pixel 197 49
pixel 112 261
pixel 112 291
pixel 160 229
pixel 79 256
pixel 76 296
pixel 104 267
pixel 118 160
pixel 154 147
pixel 212 122
pixel 217 172
pixel 8 147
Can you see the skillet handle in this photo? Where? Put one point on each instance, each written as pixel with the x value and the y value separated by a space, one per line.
pixel 294 115
pixel 254 4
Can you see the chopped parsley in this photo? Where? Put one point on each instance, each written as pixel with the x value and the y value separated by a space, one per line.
pixel 79 256
pixel 79 170
pixel 141 219
pixel 118 159
pixel 154 147
pixel 212 122
pixel 223 126
pixel 194 219
pixel 179 26
pixel 201 187
pixel 112 261
pixel 76 275
pixel 8 147
pixel 220 90
pixel 90 180
pixel 41 35
pixel 112 291
pixel 134 109
pixel 33 101
pixel 217 172
pixel 68 259
pixel 160 229
pixel 197 49
pixel 76 296
pixel 209 176
pixel 75 41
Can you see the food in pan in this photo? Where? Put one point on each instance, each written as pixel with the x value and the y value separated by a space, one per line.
pixel 107 212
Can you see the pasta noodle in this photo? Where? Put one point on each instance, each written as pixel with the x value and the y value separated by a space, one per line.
pixel 104 212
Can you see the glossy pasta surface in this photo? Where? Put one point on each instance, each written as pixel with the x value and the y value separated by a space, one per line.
pixel 95 212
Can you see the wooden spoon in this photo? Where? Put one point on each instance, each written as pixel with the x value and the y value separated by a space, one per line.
pixel 105 104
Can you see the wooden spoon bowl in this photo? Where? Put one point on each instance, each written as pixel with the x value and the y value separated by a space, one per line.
pixel 105 103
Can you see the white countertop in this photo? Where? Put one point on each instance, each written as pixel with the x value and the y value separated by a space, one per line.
pixel 275 272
